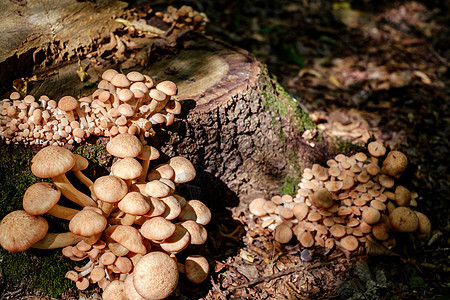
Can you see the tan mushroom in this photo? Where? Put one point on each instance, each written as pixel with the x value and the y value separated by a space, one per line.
pixel 403 219
pixel 395 163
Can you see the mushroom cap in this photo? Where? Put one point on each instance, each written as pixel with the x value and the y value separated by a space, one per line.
pixel 380 231
pixel 283 233
pixel 424 226
pixel 109 74
pixel 306 239
pixel 402 196
pixel 135 76
pixel 81 163
pixel 87 222
pixel 349 243
pixel 68 103
pixel 198 232
pixel 52 161
pixel 149 153
pixel 40 197
pixel 197 211
pixel 114 291
pixel 157 188
pixel 124 145
pixel 403 219
pixel 167 87
pixel 134 203
pixel 178 241
pixel 155 275
pixel 127 168
pixel 322 198
pixel 110 188
pixel 376 149
pixel 129 287
pixel 300 211
pixel 371 215
pixel 256 207
pixel 120 80
pixel 127 236
pixel 157 229
pixel 183 168
pixel 395 163
pixel 161 171
pixel 19 230
pixel 196 268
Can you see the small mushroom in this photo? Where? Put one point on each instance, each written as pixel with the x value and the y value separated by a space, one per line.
pixel 403 219
pixel 133 204
pixel 196 268
pixel 88 223
pixel 395 163
pixel 183 168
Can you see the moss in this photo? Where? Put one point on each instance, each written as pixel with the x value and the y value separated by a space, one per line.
pixel 32 269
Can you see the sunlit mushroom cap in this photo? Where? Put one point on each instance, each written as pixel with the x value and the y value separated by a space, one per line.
pixel 155 275
pixel 88 222
pixel 168 87
pixel 19 230
pixel 184 170
pixel 81 163
pixel 134 203
pixel 124 145
pixel 198 232
pixel 349 243
pixel 283 233
pixel 127 236
pixel 110 188
pixel 197 211
pixel 67 103
pixel 40 197
pixel 52 161
pixel 114 291
pixel 129 288
pixel 178 241
pixel 127 168
pixel 157 229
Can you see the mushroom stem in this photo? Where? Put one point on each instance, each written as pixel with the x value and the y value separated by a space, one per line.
pixel 71 193
pixel 57 240
pixel 62 212
pixel 92 239
pixel 83 178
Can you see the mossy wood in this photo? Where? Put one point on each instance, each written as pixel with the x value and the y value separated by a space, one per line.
pixel 238 126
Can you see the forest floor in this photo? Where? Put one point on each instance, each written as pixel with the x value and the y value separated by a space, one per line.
pixel 362 71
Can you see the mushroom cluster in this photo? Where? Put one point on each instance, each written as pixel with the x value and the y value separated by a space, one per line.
pixel 351 202
pixel 184 17
pixel 130 228
pixel 130 103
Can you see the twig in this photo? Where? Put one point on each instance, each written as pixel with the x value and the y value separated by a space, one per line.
pixel 279 274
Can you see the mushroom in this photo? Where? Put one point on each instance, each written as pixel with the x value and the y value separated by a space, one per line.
pixel 88 223
pixel 402 196
pixel 127 168
pixel 81 164
pixel 197 211
pixel 155 275
pixel 283 233
pixel 124 145
pixel 129 287
pixel 183 168
pixel 133 204
pixel 322 198
pixel 403 219
pixel 196 268
pixel 109 189
pixel 53 162
pixel 349 243
pixel 42 197
pixel 127 236
pixel 114 290
pixel 197 232
pixel 424 231
pixel 148 153
pixel 178 241
pixel 256 207
pixel 161 171
pixel 68 104
pixel 395 163
pixel 157 229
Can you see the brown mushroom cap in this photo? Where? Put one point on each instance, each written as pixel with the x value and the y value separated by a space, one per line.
pixel 402 196
pixel 124 145
pixel 395 163
pixel 127 236
pixel 110 188
pixel 380 231
pixel 127 168
pixel 157 229
pixel 134 203
pixel 424 230
pixel 196 268
pixel 283 233
pixel 19 230
pixel 197 211
pixel 68 103
pixel 81 163
pixel 120 80
pixel 88 222
pixel 322 198
pixel 256 207
pixel 129 288
pixel 109 74
pixel 155 275
pixel 403 219
pixel 197 232
pixel 306 239
pixel 349 243
pixel 157 188
pixel 40 197
pixel 376 149
pixel 114 291
pixel 183 168
pixel 371 215
pixel 178 241
pixel 161 171
pixel 52 161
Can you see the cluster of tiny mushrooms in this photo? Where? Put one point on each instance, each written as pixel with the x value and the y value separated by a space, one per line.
pixel 130 225
pixel 184 17
pixel 130 103
pixel 350 203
